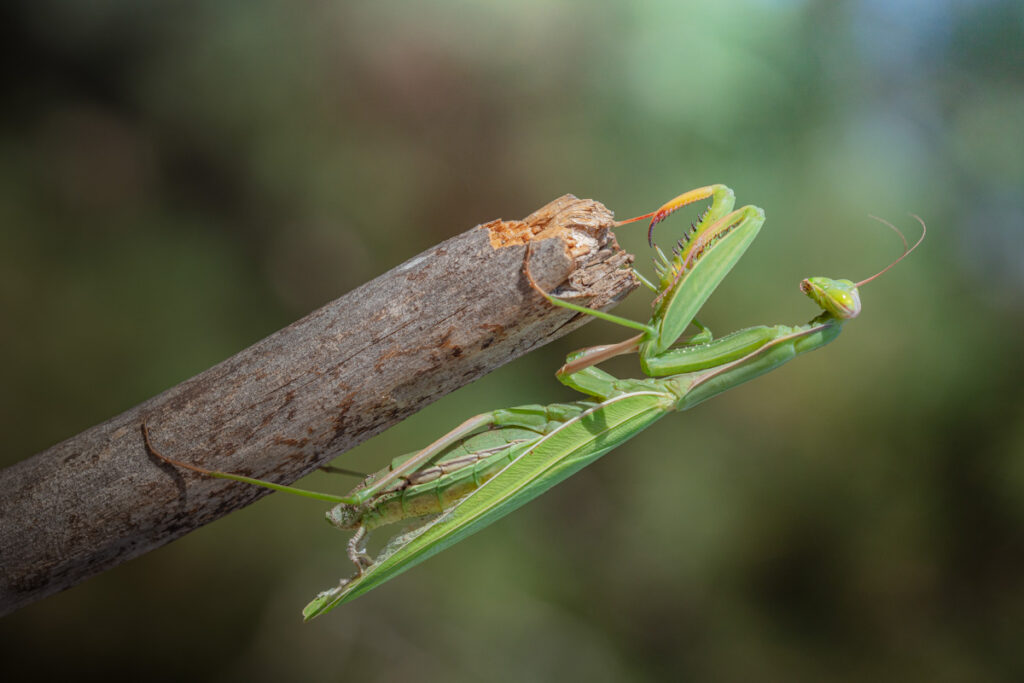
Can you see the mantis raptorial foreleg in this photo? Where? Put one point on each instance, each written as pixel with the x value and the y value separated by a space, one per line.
pixel 495 462
pixel 700 261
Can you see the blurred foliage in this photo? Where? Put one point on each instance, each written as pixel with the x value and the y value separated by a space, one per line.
pixel 178 180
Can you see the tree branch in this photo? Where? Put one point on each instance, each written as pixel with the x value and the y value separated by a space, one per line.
pixel 296 399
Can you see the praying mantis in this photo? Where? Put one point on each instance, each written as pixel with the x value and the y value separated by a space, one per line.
pixel 497 461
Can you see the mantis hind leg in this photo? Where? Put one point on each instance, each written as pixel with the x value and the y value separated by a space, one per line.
pixel 216 474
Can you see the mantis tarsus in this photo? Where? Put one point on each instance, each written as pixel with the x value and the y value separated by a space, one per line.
pixel 497 461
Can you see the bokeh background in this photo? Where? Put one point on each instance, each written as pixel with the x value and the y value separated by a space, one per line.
pixel 178 180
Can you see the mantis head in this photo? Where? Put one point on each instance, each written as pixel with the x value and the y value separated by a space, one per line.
pixel 838 297
pixel 841 298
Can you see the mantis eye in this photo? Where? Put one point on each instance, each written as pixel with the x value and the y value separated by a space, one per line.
pixel 838 297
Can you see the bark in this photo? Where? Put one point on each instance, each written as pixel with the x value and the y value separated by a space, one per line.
pixel 298 398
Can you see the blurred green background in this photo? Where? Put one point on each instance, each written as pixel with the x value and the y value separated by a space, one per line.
pixel 178 180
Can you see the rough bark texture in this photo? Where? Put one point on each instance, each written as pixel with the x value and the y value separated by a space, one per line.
pixel 292 401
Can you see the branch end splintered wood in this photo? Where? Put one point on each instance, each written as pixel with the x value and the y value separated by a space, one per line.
pixel 298 398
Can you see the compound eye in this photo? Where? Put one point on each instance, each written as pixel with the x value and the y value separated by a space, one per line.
pixel 845 303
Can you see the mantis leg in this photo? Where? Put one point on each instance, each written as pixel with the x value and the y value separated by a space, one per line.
pixel 590 380
pixel 467 428
pixel 357 551
pixel 237 477
pixel 592 355
pixel 361 494
pixel 403 469
pixel 696 270
pixel 722 201
pixel 644 281
pixel 703 335
pixel 555 301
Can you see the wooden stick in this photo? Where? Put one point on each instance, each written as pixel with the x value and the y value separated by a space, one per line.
pixel 291 402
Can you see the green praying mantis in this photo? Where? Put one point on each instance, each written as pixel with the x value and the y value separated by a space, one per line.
pixel 497 461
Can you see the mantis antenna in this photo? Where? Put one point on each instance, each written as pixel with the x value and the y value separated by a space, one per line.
pixel 906 251
pixel 841 297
